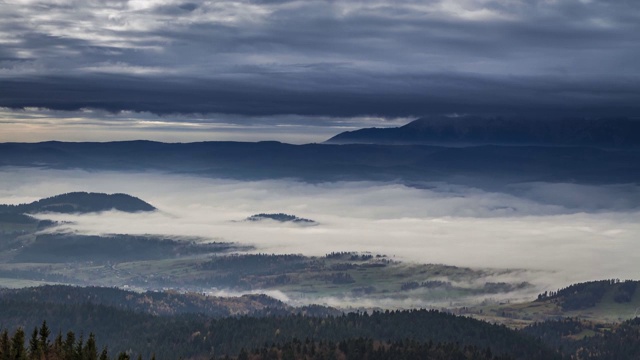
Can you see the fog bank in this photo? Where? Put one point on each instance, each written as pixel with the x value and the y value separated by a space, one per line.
pixel 557 228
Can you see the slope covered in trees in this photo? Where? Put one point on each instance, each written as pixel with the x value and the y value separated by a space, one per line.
pixel 368 349
pixel 173 325
pixel 163 303
pixel 64 248
pixel 587 294
pixel 585 340
pixel 81 202
pixel 190 335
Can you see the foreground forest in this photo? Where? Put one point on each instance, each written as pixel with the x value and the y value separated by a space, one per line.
pixel 71 347
pixel 195 335
pixel 135 326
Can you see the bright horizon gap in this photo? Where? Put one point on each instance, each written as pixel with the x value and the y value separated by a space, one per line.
pixel 38 125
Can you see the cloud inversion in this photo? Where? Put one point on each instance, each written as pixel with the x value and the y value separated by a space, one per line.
pixel 569 239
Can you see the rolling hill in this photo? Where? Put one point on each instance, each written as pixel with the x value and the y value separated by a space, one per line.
pixel 81 202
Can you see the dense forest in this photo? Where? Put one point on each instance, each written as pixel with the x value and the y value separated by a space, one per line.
pixel 194 335
pixel 368 349
pixel 63 248
pixel 39 346
pixel 161 302
pixel 73 347
pixel 588 294
pixel 584 340
pixel 169 325
pixel 81 202
pixel 457 339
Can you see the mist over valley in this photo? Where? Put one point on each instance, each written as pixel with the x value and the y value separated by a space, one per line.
pixel 519 235
pixel 585 232
pixel 319 180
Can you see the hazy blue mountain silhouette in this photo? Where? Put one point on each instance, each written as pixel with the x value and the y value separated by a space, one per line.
pixel 607 133
pixel 327 162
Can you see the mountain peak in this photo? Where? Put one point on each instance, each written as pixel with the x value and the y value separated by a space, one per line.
pixel 472 130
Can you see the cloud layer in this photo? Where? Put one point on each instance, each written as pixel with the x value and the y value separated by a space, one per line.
pixel 323 58
pixel 455 225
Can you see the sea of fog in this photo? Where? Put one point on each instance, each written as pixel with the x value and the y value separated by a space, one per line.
pixel 570 232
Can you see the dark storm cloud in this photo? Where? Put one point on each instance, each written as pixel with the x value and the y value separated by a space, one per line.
pixel 321 58
pixel 345 95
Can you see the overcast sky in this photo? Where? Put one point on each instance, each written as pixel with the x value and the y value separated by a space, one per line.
pixel 313 68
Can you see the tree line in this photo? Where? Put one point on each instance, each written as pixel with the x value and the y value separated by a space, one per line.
pixel 39 347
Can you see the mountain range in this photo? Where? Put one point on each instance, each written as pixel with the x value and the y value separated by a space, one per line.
pixel 469 130
pixel 489 164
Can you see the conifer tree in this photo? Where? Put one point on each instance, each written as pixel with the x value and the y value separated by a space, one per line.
pixel 243 355
pixel 90 351
pixel 77 352
pixel 104 355
pixel 58 346
pixel 44 339
pixel 68 345
pixel 5 346
pixel 34 345
pixel 18 351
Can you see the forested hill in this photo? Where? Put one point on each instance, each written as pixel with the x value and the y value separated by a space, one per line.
pixel 587 294
pixel 161 303
pixel 81 202
pixel 466 130
pixel 280 217
pixel 125 321
pixel 196 336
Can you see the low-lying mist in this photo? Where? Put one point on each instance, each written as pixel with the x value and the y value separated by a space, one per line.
pixel 563 233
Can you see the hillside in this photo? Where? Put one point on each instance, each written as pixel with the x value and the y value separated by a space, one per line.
pixel 606 133
pixel 602 301
pixel 160 303
pixel 68 248
pixel 190 326
pixel 81 202
pixel 196 336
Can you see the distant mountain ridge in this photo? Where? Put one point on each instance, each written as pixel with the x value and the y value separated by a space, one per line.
pixel 608 133
pixel 81 202
pixel 328 162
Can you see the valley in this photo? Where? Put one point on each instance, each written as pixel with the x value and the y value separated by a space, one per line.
pixel 167 258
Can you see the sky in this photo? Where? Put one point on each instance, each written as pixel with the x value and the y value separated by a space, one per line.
pixel 302 71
